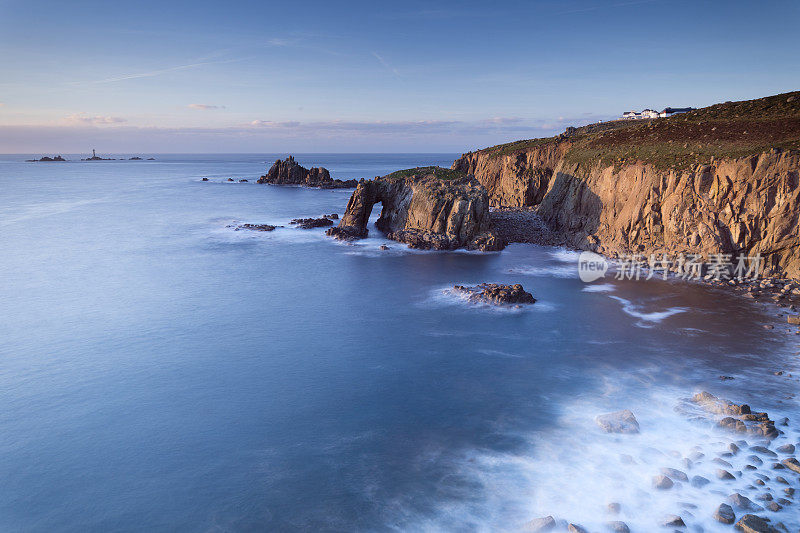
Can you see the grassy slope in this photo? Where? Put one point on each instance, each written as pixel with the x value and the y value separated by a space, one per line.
pixel 439 172
pixel 729 130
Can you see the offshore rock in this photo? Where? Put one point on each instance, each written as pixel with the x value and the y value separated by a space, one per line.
pixel 426 208
pixel 290 172
pixel 619 422
pixel 309 223
pixel 497 294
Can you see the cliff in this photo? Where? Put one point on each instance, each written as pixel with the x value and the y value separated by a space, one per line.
pixel 290 172
pixel 722 179
pixel 426 207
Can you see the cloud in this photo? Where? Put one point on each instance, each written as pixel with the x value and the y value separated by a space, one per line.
pixel 386 65
pixel 205 107
pixel 158 72
pixel 83 118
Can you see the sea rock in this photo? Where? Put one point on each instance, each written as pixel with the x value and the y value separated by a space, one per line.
pixel 742 502
pixel 793 319
pixel 724 474
pixel 662 482
pixel 673 521
pixel 205 179
pixel 675 474
pixel 309 223
pixel 763 451
pixel 497 294
pixel 426 208
pixel 546 523
pixel 786 448
pixel 725 514
pixel 254 227
pixel 712 404
pixel 618 527
pixel 46 159
pixel 575 528
pixel 750 523
pixel 619 422
pixel 699 481
pixel 290 172
pixel 792 464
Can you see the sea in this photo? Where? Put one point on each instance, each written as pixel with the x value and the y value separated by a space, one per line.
pixel 161 370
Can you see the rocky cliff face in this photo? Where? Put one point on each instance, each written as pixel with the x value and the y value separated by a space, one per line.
pixel 425 208
pixel 738 205
pixel 289 172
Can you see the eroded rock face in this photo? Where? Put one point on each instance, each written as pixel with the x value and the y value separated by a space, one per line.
pixel 290 172
pixel 423 210
pixel 748 205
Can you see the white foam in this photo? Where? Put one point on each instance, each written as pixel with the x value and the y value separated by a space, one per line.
pixel 600 287
pixel 572 470
pixel 646 319
pixel 565 256
pixel 554 271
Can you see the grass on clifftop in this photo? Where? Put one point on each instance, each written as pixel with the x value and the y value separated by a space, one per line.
pixel 438 172
pixel 728 130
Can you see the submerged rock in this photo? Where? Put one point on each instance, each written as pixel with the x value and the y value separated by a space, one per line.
pixel 673 521
pixel 497 294
pixel 662 482
pixel 619 422
pixel 618 527
pixel 254 227
pixel 545 523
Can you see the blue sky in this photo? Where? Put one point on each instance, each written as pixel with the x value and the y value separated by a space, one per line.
pixel 324 76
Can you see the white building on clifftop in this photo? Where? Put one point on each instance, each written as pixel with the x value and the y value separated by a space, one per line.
pixel 651 113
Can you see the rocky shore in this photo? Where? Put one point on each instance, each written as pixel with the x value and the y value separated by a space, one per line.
pixel 722 179
pixel 290 172
pixel 752 472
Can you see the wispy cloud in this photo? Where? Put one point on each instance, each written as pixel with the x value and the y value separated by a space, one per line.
pixel 386 65
pixel 205 107
pixel 159 72
pixel 604 6
pixel 84 118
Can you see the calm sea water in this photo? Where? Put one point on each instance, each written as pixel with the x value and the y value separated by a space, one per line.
pixel 160 371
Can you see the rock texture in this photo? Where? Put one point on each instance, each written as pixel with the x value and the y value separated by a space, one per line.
pixel 290 172
pixel 427 208
pixel 498 294
pixel 619 422
pixel 692 185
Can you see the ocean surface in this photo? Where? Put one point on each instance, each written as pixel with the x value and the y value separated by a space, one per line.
pixel 160 371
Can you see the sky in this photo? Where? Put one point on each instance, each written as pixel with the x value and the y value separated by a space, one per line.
pixel 327 76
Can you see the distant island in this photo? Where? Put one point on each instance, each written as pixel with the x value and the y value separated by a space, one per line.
pixel 95 157
pixel 46 159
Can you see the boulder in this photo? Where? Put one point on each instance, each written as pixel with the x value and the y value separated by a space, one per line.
pixel 662 482
pixel 793 319
pixel 674 473
pixel 792 464
pixel 619 422
pixel 699 481
pixel 750 523
pixel 673 521
pixel 618 527
pixel 725 514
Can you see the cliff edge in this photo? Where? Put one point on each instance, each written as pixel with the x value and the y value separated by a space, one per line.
pixel 722 179
pixel 427 207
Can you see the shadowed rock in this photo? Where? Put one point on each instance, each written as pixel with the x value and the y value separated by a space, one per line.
pixel 751 523
pixel 725 514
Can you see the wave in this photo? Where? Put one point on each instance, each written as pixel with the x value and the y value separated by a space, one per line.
pixel 646 319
